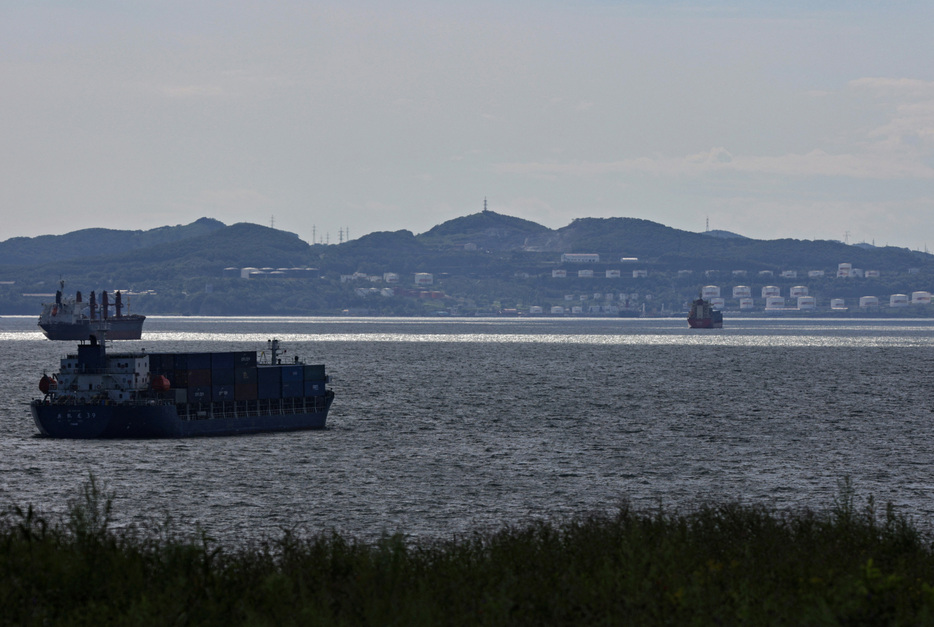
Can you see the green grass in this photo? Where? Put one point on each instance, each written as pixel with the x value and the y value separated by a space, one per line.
pixel 724 564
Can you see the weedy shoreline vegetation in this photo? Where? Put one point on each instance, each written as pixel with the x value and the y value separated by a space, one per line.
pixel 720 564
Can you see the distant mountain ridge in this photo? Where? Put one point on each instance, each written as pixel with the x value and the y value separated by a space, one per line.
pixel 94 242
pixel 206 246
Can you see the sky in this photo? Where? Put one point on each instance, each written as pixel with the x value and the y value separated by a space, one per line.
pixel 808 120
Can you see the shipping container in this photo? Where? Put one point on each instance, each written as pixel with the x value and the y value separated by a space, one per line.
pixel 221 361
pixel 199 361
pixel 293 373
pixel 315 388
pixel 245 375
pixel 199 394
pixel 161 363
pixel 222 392
pixel 223 376
pixel 314 372
pixel 293 389
pixel 199 378
pixel 245 359
pixel 246 392
pixel 269 382
pixel 178 378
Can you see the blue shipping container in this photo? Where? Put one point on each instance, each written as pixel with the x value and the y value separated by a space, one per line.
pixel 269 382
pixel 199 394
pixel 199 361
pixel 222 360
pixel 222 392
pixel 293 373
pixel 245 359
pixel 223 376
pixel 293 389
pixel 315 388
pixel 314 372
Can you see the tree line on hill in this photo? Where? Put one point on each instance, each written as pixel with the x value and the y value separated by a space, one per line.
pixel 481 263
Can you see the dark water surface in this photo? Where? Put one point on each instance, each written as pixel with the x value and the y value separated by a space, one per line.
pixel 443 426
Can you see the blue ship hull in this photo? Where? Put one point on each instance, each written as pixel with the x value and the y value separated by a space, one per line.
pixel 92 421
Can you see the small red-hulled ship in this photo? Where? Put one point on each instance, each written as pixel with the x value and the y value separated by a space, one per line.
pixel 704 316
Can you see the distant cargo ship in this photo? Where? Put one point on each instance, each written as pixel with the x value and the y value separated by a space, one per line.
pixel 704 316
pixel 96 394
pixel 71 318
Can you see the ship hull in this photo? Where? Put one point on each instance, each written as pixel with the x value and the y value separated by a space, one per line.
pixel 111 421
pixel 705 323
pixel 125 328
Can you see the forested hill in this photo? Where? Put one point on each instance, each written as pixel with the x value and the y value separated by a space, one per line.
pixel 663 246
pixel 198 255
pixel 94 242
pixel 477 261
pixel 206 246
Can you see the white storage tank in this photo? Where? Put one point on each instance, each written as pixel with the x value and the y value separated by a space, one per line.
pixel 535 310
pixel 837 303
pixel 718 302
pixel 745 303
pixel 557 310
pixel 868 301
pixel 807 302
pixel 844 270
pixel 771 290
pixel 920 298
pixel 798 290
pixel 742 291
pixel 898 300
pixel 710 291
pixel 815 274
pixel 774 302
pixel 577 310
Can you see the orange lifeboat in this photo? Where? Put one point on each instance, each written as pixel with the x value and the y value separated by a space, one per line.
pixel 160 383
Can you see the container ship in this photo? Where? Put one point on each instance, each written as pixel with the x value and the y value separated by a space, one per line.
pixel 72 318
pixel 101 394
pixel 704 316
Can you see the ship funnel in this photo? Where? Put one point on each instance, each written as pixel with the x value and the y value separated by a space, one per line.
pixel 77 297
pixel 118 304
pixel 93 306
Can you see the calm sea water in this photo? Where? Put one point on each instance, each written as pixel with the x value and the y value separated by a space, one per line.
pixel 440 427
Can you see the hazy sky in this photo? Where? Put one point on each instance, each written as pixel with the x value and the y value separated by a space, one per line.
pixel 803 119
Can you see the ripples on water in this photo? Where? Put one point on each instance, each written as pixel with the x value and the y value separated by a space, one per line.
pixel 443 426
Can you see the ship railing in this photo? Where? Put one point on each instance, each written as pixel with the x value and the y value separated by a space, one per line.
pixel 73 400
pixel 251 408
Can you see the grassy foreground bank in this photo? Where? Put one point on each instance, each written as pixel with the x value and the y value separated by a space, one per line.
pixel 726 564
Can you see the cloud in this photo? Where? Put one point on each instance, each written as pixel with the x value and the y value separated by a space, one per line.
pixel 720 161
pixel 898 149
